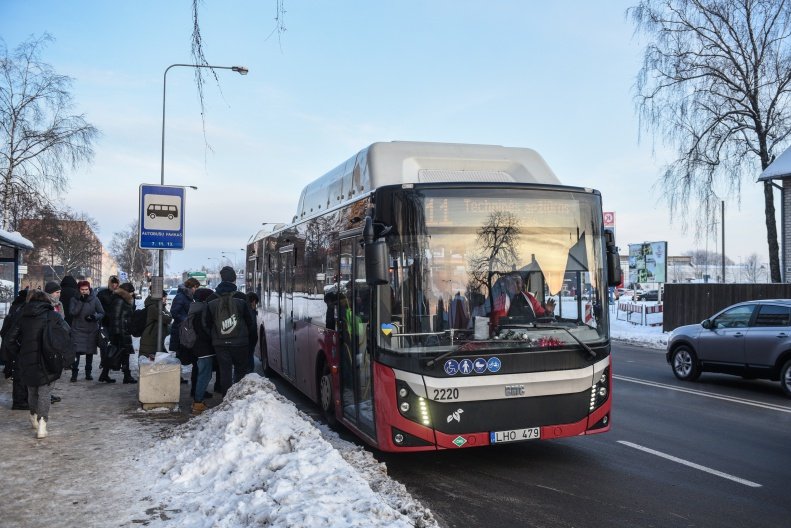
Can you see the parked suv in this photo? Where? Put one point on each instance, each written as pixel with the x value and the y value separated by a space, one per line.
pixel 750 339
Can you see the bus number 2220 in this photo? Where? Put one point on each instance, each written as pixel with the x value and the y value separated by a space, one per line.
pixel 446 394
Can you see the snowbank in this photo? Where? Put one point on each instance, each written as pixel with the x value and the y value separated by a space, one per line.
pixel 256 460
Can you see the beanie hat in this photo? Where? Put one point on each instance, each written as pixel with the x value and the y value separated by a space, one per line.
pixel 127 287
pixel 52 287
pixel 83 283
pixel 227 274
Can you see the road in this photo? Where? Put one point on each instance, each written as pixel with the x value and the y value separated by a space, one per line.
pixel 709 454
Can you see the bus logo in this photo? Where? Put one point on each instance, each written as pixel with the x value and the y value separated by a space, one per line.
pixel 155 210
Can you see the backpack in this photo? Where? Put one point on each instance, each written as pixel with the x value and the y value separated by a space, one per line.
pixel 228 319
pixel 138 322
pixel 187 335
pixel 55 343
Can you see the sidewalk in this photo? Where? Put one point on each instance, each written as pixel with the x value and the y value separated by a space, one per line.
pixel 95 434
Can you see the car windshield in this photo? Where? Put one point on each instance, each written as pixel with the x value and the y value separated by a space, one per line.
pixel 492 268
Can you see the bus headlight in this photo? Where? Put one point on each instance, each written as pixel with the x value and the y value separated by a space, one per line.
pixel 600 390
pixel 404 407
pixel 411 406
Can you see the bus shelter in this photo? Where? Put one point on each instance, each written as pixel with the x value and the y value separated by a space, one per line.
pixel 11 243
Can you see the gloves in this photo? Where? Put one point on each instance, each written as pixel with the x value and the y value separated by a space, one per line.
pixel 90 318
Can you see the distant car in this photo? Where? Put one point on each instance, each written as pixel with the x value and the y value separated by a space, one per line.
pixel 750 339
pixel 172 294
pixel 649 295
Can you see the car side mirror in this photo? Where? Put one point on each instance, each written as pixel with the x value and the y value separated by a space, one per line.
pixel 706 323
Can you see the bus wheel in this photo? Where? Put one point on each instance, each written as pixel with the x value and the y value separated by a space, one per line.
pixel 152 216
pixel 267 370
pixel 326 399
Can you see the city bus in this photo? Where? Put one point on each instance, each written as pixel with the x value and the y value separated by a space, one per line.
pixel 392 298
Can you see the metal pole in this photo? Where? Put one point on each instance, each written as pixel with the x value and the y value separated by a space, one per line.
pixel 722 218
pixel 161 253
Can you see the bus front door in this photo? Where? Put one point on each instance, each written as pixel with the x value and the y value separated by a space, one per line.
pixel 287 333
pixel 354 316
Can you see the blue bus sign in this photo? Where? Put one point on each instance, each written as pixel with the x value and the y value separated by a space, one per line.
pixel 161 217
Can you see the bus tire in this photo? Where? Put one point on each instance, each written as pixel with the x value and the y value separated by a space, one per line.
pixel 263 354
pixel 324 391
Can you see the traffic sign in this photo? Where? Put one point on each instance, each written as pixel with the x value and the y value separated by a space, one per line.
pixel 161 217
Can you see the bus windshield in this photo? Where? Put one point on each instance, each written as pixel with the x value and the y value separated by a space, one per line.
pixel 492 268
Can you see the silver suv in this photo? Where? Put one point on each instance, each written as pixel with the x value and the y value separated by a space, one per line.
pixel 750 339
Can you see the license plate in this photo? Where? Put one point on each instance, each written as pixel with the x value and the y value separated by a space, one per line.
pixel 514 435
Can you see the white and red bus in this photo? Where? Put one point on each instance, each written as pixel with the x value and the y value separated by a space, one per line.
pixel 411 295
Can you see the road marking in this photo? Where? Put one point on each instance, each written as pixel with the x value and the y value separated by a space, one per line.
pixel 734 399
pixel 691 464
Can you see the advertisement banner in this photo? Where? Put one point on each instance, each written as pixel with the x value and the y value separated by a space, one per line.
pixel 648 262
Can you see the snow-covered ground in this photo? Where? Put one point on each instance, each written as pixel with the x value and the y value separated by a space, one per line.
pixel 256 460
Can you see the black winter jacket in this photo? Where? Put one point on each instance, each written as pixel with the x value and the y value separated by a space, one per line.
pixel 247 341
pixel 179 310
pixel 25 340
pixel 68 291
pixel 120 318
pixel 203 346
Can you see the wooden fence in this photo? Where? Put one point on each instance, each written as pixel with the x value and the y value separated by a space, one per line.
pixel 692 303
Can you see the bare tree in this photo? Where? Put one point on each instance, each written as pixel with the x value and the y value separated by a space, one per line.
pixel 497 253
pixel 130 258
pixel 39 137
pixel 64 240
pixel 753 269
pixel 715 83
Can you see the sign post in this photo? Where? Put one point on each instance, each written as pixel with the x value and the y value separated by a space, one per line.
pixel 161 223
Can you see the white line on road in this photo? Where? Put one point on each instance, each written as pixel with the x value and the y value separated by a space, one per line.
pixel 733 399
pixel 690 464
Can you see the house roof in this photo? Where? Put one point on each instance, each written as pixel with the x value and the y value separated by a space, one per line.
pixel 779 169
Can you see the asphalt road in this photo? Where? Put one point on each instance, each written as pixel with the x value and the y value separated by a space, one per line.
pixel 714 453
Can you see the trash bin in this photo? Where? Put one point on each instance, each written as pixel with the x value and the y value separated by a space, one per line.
pixel 160 381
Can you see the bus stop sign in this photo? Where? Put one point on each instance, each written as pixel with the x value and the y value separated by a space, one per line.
pixel 161 217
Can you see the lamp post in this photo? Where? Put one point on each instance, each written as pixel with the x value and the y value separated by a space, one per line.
pixel 161 265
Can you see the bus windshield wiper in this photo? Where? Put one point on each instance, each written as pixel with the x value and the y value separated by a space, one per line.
pixel 588 349
pixel 462 348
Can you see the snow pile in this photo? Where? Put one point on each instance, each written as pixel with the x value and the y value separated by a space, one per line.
pixel 255 460
pixel 651 336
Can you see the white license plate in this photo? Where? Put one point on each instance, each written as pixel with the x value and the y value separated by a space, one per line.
pixel 514 435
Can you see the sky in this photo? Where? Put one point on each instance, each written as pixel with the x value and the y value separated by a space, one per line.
pixel 555 77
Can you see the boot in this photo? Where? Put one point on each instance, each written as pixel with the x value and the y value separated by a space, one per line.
pixel 104 378
pixel 88 376
pixel 128 377
pixel 73 376
pixel 41 431
pixel 34 420
pixel 198 407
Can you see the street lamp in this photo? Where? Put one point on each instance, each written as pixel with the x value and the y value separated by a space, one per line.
pixel 238 69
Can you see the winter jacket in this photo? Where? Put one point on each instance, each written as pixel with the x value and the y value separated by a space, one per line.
pixel 68 291
pixel 203 346
pixel 247 341
pixel 148 341
pixel 25 340
pixel 84 332
pixel 119 318
pixel 179 310
pixel 13 315
pixel 105 296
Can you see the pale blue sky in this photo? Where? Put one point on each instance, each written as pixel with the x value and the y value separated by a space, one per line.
pixel 555 78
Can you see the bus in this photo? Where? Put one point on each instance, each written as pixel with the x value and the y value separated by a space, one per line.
pixel 391 298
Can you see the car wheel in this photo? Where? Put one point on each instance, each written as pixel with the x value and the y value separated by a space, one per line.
pixel 785 377
pixel 326 399
pixel 685 364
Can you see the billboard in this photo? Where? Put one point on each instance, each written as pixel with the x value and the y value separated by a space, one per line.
pixel 648 262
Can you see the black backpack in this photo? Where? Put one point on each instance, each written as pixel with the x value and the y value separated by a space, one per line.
pixel 228 319
pixel 138 322
pixel 55 343
pixel 187 334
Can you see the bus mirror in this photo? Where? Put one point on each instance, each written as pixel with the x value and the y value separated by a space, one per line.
pixel 376 256
pixel 614 272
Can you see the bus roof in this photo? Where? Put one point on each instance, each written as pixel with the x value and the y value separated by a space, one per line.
pixel 400 162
